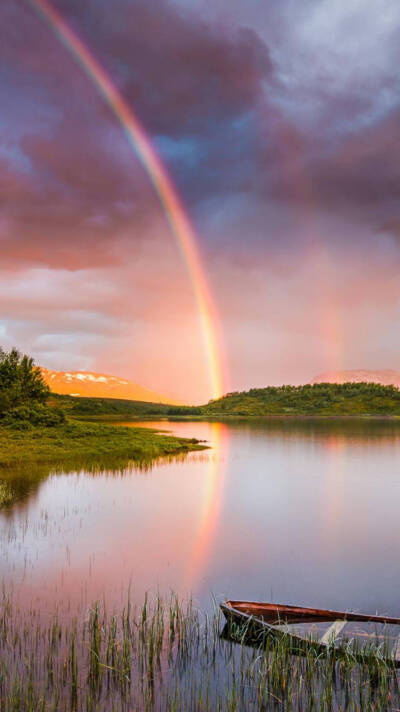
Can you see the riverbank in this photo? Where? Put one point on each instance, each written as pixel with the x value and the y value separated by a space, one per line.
pixel 77 440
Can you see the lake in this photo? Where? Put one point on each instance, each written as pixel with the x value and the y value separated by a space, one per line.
pixel 296 511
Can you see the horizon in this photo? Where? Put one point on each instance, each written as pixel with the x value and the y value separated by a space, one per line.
pixel 386 377
pixel 257 240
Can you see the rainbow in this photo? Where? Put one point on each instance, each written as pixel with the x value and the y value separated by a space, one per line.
pixel 160 179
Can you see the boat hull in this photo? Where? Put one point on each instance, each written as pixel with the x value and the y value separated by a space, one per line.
pixel 318 629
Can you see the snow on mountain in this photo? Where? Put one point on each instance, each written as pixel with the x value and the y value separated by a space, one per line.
pixel 99 385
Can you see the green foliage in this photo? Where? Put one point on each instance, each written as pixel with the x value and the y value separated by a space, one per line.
pixel 184 410
pixel 85 406
pixel 118 407
pixel 316 399
pixel 34 414
pixel 21 382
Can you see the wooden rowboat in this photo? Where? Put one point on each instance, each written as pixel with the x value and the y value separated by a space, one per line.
pixel 317 628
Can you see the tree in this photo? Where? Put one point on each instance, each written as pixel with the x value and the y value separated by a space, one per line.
pixel 21 382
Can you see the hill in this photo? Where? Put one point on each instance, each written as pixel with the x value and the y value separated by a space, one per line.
pixel 99 385
pixel 388 377
pixel 118 407
pixel 325 399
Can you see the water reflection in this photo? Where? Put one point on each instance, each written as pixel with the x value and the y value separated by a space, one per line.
pixel 210 506
pixel 302 511
pixel 334 491
pixel 19 484
pixel 353 431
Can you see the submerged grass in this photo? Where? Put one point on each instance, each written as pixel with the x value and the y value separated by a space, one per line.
pixel 166 656
pixel 70 441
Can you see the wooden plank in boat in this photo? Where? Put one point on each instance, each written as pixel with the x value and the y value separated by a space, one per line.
pixel 333 631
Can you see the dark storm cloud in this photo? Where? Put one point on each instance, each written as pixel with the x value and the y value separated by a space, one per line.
pixel 391 227
pixel 361 175
pixel 70 179
pixel 176 70
pixel 218 110
pixel 67 207
pixel 355 173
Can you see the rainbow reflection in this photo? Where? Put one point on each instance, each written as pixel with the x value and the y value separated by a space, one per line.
pixel 210 507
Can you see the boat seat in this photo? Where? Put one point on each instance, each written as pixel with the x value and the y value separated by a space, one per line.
pixel 333 631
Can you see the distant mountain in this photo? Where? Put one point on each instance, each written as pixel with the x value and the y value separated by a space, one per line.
pixel 99 385
pixel 387 377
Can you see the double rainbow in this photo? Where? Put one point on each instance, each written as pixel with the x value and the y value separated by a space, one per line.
pixel 162 183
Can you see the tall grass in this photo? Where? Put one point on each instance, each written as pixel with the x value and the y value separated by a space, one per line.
pixel 165 655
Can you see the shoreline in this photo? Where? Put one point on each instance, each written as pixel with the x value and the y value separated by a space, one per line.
pixel 72 441
pixel 116 419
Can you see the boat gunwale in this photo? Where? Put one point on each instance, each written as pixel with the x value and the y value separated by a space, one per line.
pixel 316 614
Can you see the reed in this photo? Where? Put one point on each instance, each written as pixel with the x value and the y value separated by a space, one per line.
pixel 168 656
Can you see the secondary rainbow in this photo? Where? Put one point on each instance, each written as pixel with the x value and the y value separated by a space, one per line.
pixel 162 183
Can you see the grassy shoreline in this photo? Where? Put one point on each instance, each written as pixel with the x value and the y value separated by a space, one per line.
pixel 211 417
pixel 230 417
pixel 77 440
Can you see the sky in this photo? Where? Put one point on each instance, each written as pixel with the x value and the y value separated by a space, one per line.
pixel 279 124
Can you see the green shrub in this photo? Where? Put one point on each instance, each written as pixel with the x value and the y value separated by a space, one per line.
pixel 36 414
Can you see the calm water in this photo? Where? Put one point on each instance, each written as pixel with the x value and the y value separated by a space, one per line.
pixel 302 512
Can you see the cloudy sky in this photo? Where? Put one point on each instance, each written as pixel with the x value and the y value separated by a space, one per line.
pixel 279 124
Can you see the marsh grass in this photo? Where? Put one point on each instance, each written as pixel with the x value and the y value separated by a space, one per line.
pixel 71 441
pixel 166 655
